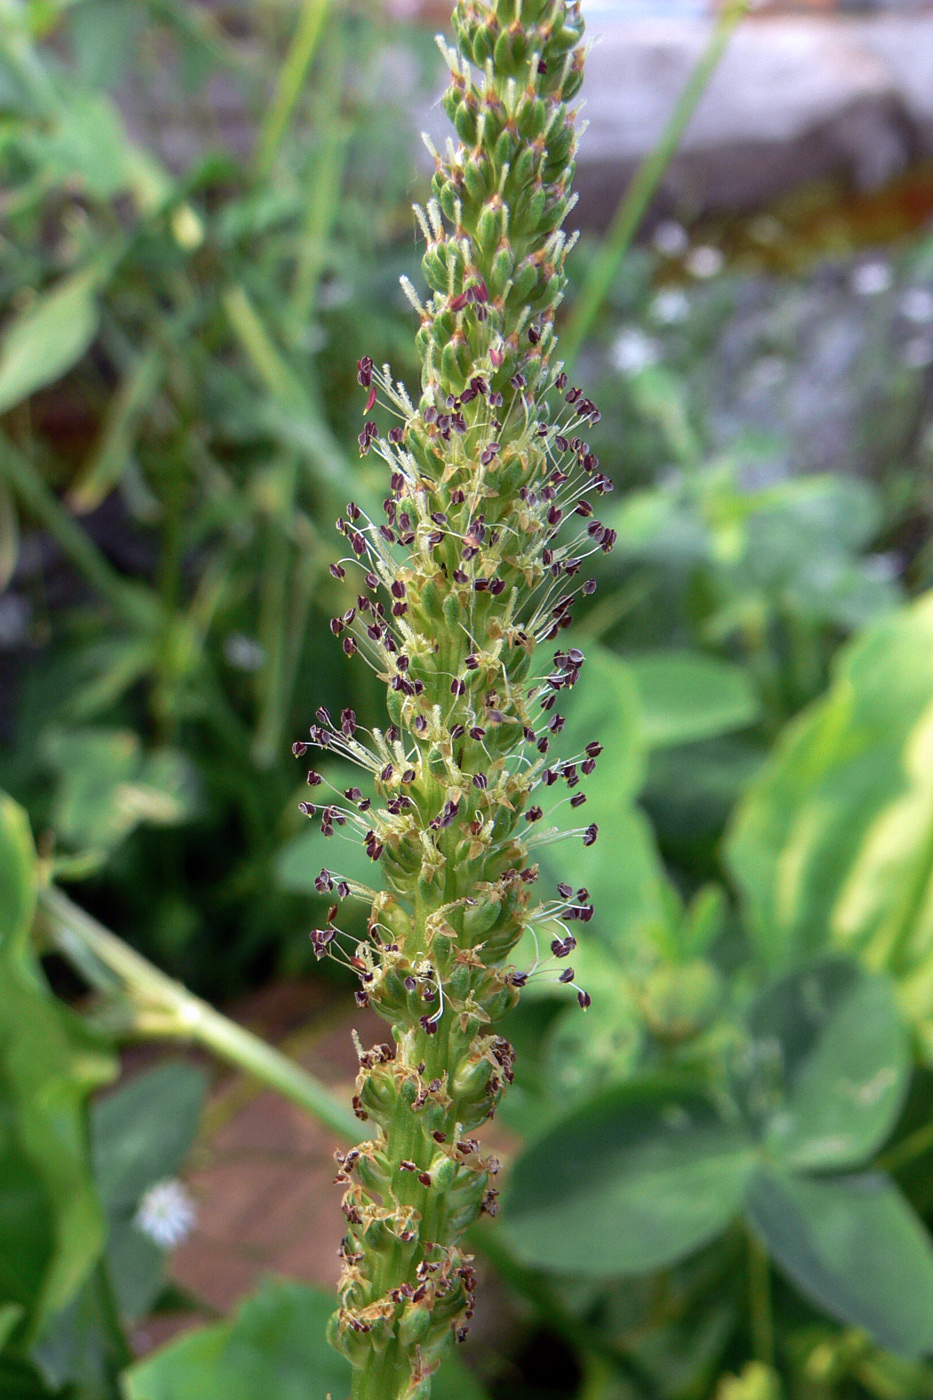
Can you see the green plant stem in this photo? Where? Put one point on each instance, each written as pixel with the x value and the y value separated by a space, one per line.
pixel 643 187
pixel 274 618
pixel 598 1379
pixel 304 424
pixel 759 1301
pixel 166 1009
pixel 291 79
pixel 325 184
pixel 133 602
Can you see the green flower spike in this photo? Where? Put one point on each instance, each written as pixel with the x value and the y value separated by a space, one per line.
pixel 487 527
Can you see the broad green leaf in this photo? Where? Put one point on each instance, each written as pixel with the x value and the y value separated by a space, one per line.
pixel 855 1247
pixel 604 707
pixel 832 1065
pixel 692 789
pixel 82 1348
pixel 103 33
pixel 622 872
pixel 27 1242
pixel 142 1132
pixel 633 1181
pixel 10 1315
pixel 107 786
pixel 46 340
pixel 301 859
pixel 273 1346
pixel 87 144
pixel 685 696
pixel 833 844
pixel 48 1065
pixel 141 1135
pixel 583 1055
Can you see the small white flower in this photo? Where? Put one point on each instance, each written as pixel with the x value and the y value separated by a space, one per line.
pixel 166 1213
pixel 670 306
pixel 917 305
pixel 632 351
pixel 705 262
pixel 918 352
pixel 670 239
pixel 870 279
pixel 245 653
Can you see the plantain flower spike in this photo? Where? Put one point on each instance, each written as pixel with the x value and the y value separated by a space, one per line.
pixel 465 586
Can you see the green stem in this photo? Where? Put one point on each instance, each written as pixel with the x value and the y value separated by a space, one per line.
pixel 644 186
pixel 598 1379
pixel 274 618
pixel 759 1301
pixel 133 602
pixel 325 185
pixel 167 1009
pixel 291 79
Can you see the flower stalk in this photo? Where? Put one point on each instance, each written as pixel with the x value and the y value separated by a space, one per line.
pixel 474 569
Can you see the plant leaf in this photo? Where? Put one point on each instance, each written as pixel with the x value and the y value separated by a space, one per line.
pixel 833 844
pixel 140 1135
pixel 45 341
pixel 855 1247
pixel 831 1040
pixel 274 1345
pixel 107 786
pixel 686 695
pixel 49 1064
pixel 633 1181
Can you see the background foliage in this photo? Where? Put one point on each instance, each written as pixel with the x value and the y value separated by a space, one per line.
pixel 725 1186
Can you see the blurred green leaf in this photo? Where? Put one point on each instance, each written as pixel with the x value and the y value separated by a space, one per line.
pixel 274 1345
pixel 833 844
pixel 46 340
pixel 10 1315
pixel 622 872
pixel 103 33
pixel 48 1066
pixel 687 695
pixel 301 859
pixel 141 1135
pixel 9 534
pixel 107 463
pixel 633 1181
pixel 604 706
pixel 143 1131
pixel 108 786
pixel 27 1242
pixel 583 1055
pixel 855 1247
pixel 832 1065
